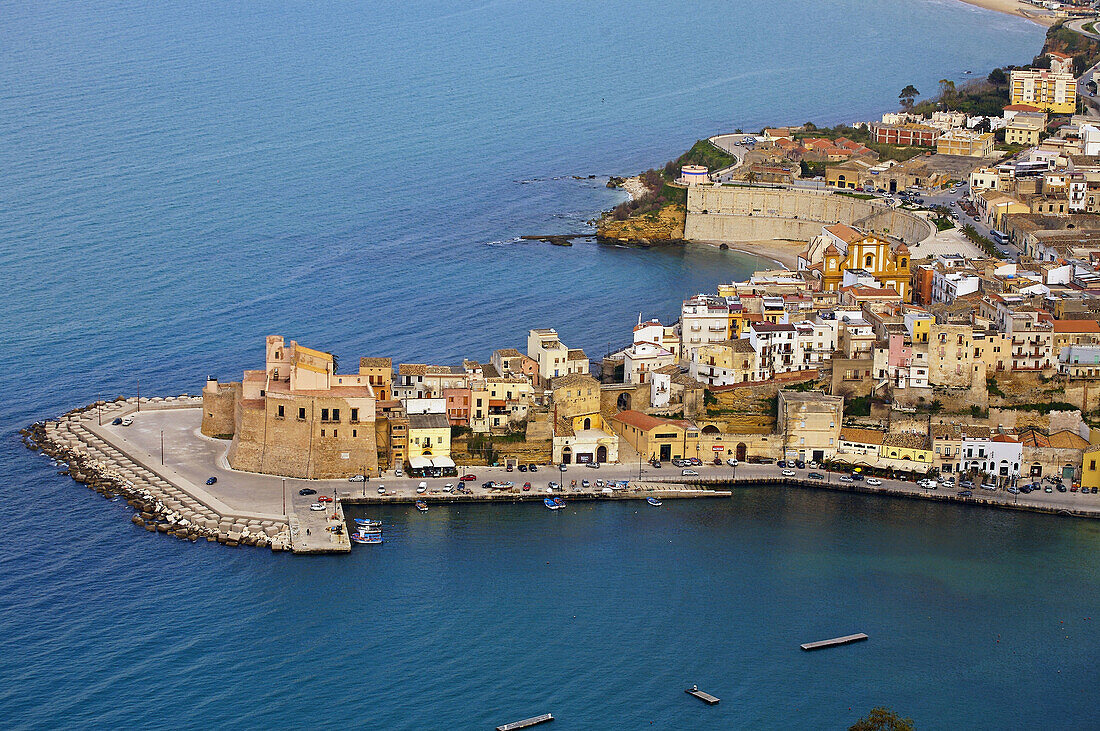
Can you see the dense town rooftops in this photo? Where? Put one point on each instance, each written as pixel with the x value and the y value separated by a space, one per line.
pixel 1077 326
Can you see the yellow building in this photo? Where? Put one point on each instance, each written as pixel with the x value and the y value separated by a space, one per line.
pixel 656 438
pixel 1048 90
pixel 1090 467
pixel 888 265
pixel 965 143
pixel 1024 129
pixel 576 400
pixel 906 447
pixel 429 436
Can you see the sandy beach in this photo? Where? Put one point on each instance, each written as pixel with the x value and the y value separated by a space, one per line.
pixel 784 253
pixel 1014 7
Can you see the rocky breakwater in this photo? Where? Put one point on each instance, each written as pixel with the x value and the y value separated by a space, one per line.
pixel 159 506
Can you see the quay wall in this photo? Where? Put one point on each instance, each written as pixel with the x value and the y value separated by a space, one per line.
pixel 733 214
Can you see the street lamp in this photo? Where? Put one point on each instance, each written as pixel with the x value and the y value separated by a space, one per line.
pixel 162 446
pixel 284 496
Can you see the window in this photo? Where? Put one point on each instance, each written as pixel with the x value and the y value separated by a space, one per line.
pixel 336 414
pixel 355 432
pixel 354 415
pixel 333 432
pixel 324 414
pixel 302 414
pixel 281 414
pixel 322 432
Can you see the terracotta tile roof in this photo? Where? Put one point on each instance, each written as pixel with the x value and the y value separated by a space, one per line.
pixel 508 353
pixel 844 233
pixel 576 354
pixel 905 440
pixel 645 422
pixel 412 369
pixel 376 362
pixel 1077 326
pixel 861 436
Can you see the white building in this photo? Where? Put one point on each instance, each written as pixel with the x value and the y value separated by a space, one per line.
pixel 704 319
pixel 815 341
pixel 996 457
pixel 654 332
pixel 948 285
pixel 775 347
pixel 553 357
pixel 641 359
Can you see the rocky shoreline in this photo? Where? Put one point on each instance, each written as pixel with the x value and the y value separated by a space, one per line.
pixel 159 506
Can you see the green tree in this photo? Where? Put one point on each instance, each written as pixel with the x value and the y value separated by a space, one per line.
pixel 947 88
pixel 997 77
pixel 908 96
pixel 882 719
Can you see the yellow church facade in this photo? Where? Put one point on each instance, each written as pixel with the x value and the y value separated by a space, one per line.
pixel 890 266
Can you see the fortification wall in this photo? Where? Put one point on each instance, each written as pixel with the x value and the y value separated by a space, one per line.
pixel 219 400
pixel 731 214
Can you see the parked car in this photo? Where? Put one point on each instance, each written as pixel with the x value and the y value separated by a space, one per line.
pixel 533 468
pixel 688 473
pixel 586 483
pixel 552 485
pixel 731 462
pixel 813 465
pixel 1094 491
pixel 966 493
pixel 128 421
pixel 929 484
pixel 593 465
pixel 816 476
pixel 522 468
pixel 966 484
pixel 381 489
pixel 562 467
pixel 211 480
pixel 526 486
pixel 655 463
pixel 846 478
pixel 467 478
pixel 1048 488
pixel 448 487
pixel 357 478
pixel 1014 490
pixel 117 421
pixel 987 486
pixel 800 465
pixel 398 473
pixel 1061 487
pixel 695 462
pixel 316 507
pixel 781 463
pixel 508 468
pixel 307 491
pixel 324 498
pixel 422 487
pixel 788 473
pixel 856 477
pixel 874 481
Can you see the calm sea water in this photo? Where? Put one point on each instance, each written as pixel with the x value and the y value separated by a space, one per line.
pixel 178 180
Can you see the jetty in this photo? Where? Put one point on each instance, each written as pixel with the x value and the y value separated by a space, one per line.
pixel 707 698
pixel 527 722
pixel 835 642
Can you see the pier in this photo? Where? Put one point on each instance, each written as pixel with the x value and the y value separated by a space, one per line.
pixel 526 723
pixel 707 698
pixel 835 642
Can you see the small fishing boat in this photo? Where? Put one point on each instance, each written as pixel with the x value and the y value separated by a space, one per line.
pixel 421 506
pixel 366 537
pixel 559 502
pixel 653 501
pixel 551 503
pixel 364 521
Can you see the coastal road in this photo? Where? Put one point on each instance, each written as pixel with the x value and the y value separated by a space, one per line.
pixel 1089 104
pixel 197 457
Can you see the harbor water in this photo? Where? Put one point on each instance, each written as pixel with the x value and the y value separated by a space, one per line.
pixel 178 180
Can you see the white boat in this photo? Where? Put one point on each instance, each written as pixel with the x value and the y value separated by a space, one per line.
pixel 653 501
pixel 421 506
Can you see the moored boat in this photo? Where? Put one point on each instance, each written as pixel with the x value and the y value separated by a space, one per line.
pixel 653 501
pixel 421 506
pixel 364 521
pixel 366 537
pixel 551 503
pixel 559 502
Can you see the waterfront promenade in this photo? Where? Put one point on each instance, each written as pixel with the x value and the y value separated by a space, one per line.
pixel 166 461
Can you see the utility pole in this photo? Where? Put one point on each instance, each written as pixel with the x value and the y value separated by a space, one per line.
pixel 139 395
pixel 284 496
pixel 162 446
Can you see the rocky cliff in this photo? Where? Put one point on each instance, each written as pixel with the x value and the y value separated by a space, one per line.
pixel 664 226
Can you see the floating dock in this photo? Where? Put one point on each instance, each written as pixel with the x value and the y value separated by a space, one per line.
pixel 835 642
pixel 527 722
pixel 705 697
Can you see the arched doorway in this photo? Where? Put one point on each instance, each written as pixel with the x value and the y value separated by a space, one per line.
pixel 623 402
pixel 567 455
pixel 587 423
pixel 710 429
pixel 742 451
pixel 601 454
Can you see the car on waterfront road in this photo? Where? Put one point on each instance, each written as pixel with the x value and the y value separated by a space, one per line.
pixel 1014 490
pixel 316 507
pixel 211 480
pixel 593 465
pixel 1093 490
pixel 846 478
pixel 533 468
pixel 467 478
pixel 781 463
pixel 381 489
pixel 856 477
pixel 695 462
pixel 800 465
pixel 552 486
pixel 562 467
pixel 586 483
pixel 307 491
pixel 526 486
pixel 1061 487
pixel 988 486
pixel 448 487
pixel 324 499
pixel 522 468
pixel 874 481
pixel 357 478
pixel 929 484
pixel 688 473
pixel 816 476
pixel 1073 488
pixel 655 463
pixel 967 484
pixel 1048 488
pixel 422 487
pixel 788 473
pixel 117 421
pixel 398 473
pixel 128 421
pixel 966 493
pixel 731 462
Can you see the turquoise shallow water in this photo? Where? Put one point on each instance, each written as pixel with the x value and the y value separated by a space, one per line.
pixel 178 180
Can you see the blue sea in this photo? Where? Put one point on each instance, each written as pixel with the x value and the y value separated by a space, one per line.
pixel 180 179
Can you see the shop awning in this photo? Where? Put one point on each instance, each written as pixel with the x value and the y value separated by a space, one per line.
pixel 419 463
pixel 442 462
